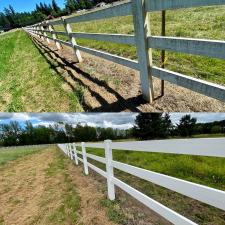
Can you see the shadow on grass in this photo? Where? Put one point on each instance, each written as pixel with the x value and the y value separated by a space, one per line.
pixel 60 64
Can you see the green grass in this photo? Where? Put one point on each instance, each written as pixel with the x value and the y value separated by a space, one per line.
pixel 10 154
pixel 70 200
pixel 28 83
pixel 202 170
pixel 202 22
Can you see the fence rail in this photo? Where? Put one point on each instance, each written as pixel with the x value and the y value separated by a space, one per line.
pixel 213 147
pixel 144 42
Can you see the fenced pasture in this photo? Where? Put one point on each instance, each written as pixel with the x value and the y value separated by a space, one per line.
pixel 182 166
pixel 145 43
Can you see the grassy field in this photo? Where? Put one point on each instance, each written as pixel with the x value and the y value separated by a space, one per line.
pixel 202 22
pixel 203 170
pixel 10 154
pixel 55 200
pixel 28 83
pixel 34 190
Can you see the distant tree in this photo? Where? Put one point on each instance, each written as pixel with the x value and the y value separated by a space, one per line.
pixel 152 125
pixel 186 126
pixel 216 129
pixel 55 7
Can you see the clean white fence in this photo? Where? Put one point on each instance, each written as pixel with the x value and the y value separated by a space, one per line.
pixel 213 147
pixel 144 42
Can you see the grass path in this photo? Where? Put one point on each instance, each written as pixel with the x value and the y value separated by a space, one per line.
pixel 28 83
pixel 34 190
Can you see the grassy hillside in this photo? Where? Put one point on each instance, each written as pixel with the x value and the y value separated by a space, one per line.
pixel 203 22
pixel 202 170
pixel 28 83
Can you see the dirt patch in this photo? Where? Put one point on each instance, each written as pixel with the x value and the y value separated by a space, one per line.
pixel 21 185
pixel 91 210
pixel 34 190
pixel 113 88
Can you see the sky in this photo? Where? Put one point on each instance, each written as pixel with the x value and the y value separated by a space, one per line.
pixel 113 120
pixel 25 6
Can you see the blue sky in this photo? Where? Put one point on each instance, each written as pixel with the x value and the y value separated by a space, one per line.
pixel 114 120
pixel 25 6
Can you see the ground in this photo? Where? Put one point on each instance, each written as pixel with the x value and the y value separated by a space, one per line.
pixel 34 190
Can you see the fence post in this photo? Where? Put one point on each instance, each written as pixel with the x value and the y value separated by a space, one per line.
pixel 163 52
pixel 142 31
pixel 68 29
pixel 71 151
pixel 68 150
pixel 84 158
pixel 109 170
pixel 45 34
pixel 75 154
pixel 39 28
pixel 38 32
pixel 54 36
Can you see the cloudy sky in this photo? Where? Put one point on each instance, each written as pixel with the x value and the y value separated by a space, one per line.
pixel 114 120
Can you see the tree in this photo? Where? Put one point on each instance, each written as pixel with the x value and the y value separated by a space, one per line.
pixel 55 7
pixel 152 125
pixel 186 126
pixel 70 6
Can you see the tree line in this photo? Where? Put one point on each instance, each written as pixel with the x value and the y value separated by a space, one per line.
pixel 10 19
pixel 13 134
pixel 147 126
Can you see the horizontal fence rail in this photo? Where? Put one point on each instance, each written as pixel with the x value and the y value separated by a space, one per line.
pixel 212 147
pixel 143 41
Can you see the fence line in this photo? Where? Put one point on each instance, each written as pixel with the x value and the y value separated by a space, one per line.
pixel 213 147
pixel 144 42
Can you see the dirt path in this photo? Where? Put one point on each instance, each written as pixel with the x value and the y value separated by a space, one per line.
pixel 93 213
pixel 112 88
pixel 33 190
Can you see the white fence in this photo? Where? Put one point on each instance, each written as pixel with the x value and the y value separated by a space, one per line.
pixel 214 147
pixel 144 42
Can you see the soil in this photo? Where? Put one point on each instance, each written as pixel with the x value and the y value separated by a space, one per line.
pixel 109 87
pixel 25 189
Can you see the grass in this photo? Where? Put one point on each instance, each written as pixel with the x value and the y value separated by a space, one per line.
pixel 28 82
pixel 10 154
pixel 202 170
pixel 66 212
pixel 44 185
pixel 201 22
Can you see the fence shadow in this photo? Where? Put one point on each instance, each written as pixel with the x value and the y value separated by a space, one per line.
pixel 52 57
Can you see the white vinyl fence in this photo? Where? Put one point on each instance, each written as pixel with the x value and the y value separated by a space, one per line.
pixel 144 42
pixel 213 147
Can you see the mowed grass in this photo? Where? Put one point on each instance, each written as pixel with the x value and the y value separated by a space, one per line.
pixel 202 22
pixel 32 182
pixel 208 171
pixel 27 82
pixel 10 154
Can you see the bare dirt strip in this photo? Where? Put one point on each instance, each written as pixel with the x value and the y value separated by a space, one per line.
pixel 109 87
pixel 28 196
